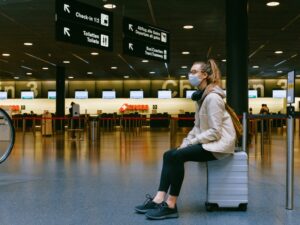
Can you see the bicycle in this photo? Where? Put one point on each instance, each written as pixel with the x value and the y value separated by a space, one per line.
pixel 7 135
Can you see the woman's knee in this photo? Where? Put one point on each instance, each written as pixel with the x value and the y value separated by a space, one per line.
pixel 168 155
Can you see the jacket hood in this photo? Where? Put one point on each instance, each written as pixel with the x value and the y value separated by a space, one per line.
pixel 213 89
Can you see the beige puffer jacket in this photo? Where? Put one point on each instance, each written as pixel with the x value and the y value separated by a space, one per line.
pixel 213 125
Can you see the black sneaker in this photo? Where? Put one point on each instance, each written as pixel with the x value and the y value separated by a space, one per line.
pixel 162 212
pixel 148 204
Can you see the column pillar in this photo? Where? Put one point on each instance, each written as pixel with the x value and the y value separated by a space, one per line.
pixel 60 97
pixel 237 55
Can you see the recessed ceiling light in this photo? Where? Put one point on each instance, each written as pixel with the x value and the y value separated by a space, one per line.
pixel 28 44
pixel 223 60
pixel 183 76
pixel 185 53
pixel 188 27
pixel 152 72
pixel 5 54
pixel 278 52
pixel 66 62
pixel 109 6
pixel 89 73
pixel 126 77
pixel 94 53
pixel 114 67
pixel 29 73
pixel 145 61
pixel 279 71
pixel 16 78
pixel 255 67
pixel 183 67
pixel 45 68
pixel 70 77
pixel 272 3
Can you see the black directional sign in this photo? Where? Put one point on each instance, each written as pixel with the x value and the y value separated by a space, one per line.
pixel 145 32
pixel 85 25
pixel 85 14
pixel 145 50
pixel 82 35
pixel 145 41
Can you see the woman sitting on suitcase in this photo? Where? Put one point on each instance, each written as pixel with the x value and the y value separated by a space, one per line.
pixel 212 137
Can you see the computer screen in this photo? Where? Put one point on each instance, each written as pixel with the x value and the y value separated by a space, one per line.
pixel 188 93
pixel 81 94
pixel 27 95
pixel 279 93
pixel 51 94
pixel 108 94
pixel 164 94
pixel 252 93
pixel 3 95
pixel 136 94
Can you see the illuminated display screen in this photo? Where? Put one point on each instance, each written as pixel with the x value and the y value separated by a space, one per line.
pixel 108 94
pixel 137 94
pixel 164 94
pixel 27 95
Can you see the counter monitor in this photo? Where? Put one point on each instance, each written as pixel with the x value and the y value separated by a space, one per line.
pixel 27 95
pixel 108 94
pixel 164 94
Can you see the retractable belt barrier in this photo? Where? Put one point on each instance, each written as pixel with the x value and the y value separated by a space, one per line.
pixel 257 123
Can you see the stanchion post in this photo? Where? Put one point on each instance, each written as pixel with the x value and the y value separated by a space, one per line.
pixel 24 125
pixel 290 158
pixel 262 137
pixel 173 133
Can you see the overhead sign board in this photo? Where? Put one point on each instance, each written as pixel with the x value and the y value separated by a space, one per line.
pixel 85 25
pixel 145 32
pixel 145 50
pixel 85 14
pixel 145 41
pixel 291 87
pixel 82 35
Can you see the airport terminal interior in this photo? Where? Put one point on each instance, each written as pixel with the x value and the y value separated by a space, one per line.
pixel 123 107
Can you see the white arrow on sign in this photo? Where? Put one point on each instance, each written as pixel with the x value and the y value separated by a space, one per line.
pixel 131 46
pixel 130 27
pixel 66 8
pixel 66 31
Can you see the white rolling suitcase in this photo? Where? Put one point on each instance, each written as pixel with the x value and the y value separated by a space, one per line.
pixel 227 182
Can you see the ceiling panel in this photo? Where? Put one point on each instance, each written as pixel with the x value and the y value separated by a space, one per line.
pixel 33 21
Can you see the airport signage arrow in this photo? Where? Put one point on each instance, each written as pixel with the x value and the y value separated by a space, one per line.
pixel 82 35
pixel 145 32
pixel 145 50
pixel 84 14
pixel 145 41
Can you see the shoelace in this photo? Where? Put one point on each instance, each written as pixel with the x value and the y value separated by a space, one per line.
pixel 162 205
pixel 148 199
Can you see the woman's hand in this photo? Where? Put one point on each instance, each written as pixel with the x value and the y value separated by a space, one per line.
pixel 184 144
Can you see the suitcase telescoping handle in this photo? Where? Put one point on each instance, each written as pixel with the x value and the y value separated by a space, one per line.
pixel 244 137
pixel 244 141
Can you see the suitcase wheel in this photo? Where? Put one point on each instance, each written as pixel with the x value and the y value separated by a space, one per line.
pixel 243 207
pixel 210 207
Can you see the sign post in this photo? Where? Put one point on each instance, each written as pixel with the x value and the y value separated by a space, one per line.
pixel 290 142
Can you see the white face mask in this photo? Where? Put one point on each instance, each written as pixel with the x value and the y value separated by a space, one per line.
pixel 194 80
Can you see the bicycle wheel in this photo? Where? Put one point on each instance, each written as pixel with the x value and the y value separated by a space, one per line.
pixel 7 135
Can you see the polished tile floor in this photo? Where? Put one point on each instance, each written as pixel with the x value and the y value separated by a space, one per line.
pixel 57 181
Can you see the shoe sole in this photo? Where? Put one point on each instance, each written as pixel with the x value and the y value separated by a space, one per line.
pixel 141 211
pixel 170 216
